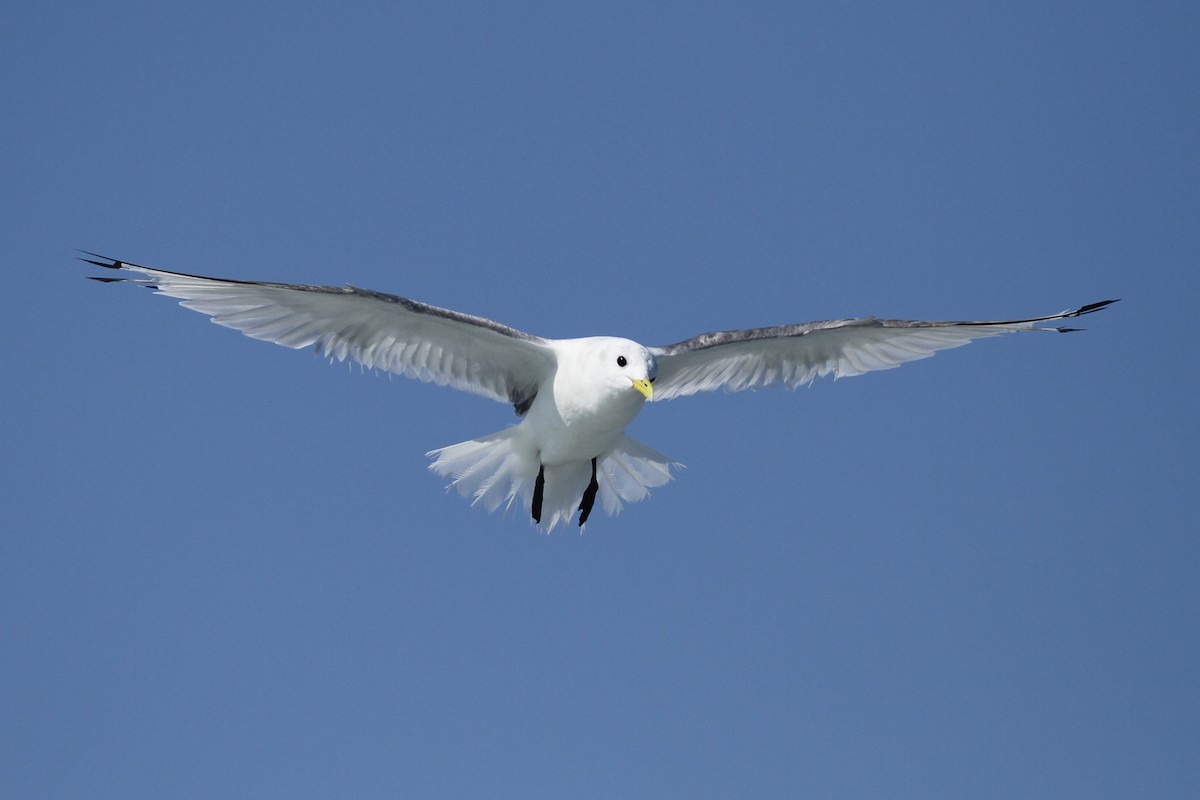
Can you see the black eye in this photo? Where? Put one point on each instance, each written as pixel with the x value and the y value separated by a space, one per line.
pixel 621 361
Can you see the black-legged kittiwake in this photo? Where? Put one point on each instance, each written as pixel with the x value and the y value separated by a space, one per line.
pixel 574 396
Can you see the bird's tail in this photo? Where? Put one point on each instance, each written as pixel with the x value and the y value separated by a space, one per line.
pixel 499 471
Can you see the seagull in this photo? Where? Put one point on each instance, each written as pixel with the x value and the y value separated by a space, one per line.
pixel 575 397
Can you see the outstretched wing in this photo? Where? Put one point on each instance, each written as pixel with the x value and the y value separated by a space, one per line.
pixel 794 355
pixel 380 331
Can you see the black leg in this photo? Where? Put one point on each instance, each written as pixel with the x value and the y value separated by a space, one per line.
pixel 589 497
pixel 539 488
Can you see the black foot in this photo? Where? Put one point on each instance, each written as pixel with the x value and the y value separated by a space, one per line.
pixel 589 497
pixel 539 488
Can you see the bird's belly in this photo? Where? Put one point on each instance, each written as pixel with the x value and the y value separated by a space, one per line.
pixel 568 438
pixel 576 443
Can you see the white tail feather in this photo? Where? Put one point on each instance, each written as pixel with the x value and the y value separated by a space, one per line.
pixel 500 470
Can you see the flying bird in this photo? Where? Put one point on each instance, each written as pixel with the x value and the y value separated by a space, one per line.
pixel 574 396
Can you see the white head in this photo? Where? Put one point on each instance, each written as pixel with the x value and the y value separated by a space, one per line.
pixel 619 365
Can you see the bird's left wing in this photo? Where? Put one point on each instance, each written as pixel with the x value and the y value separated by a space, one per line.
pixel 794 355
pixel 380 331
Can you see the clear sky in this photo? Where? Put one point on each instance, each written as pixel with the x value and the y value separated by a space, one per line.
pixel 226 572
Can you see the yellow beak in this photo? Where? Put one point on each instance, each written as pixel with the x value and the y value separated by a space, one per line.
pixel 645 387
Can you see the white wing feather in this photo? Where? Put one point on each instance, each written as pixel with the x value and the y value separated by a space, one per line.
pixel 794 355
pixel 380 331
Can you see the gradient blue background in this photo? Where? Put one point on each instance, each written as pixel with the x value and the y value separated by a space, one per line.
pixel 226 572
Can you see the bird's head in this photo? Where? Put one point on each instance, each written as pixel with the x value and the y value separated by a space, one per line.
pixel 626 365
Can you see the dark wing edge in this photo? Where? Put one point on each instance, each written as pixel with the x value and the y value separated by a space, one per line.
pixel 718 338
pixel 297 324
pixel 795 355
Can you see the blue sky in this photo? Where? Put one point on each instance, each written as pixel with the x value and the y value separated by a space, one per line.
pixel 225 570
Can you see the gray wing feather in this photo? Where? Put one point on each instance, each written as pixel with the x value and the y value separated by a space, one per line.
pixel 380 331
pixel 794 355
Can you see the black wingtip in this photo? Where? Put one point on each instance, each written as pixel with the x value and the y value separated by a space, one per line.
pixel 1079 312
pixel 109 263
pixel 112 265
pixel 106 262
pixel 1090 307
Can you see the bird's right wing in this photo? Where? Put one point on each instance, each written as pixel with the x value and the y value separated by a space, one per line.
pixel 380 331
